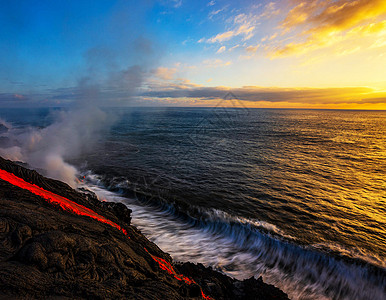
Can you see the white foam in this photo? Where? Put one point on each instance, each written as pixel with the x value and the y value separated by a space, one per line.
pixel 301 273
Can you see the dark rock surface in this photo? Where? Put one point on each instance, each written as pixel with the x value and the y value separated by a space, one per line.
pixel 46 252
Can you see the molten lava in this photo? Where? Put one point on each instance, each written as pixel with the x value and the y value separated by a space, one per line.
pixel 164 265
pixel 81 210
pixel 53 198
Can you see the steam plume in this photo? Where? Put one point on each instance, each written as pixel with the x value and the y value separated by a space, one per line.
pixel 74 131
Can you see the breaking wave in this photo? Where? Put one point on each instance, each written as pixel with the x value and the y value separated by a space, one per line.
pixel 242 248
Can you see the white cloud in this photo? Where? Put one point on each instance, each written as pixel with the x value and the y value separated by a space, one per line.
pixel 241 18
pixel 215 63
pixel 177 3
pixel 269 11
pixel 234 47
pixel 216 12
pixel 243 26
pixel 273 36
pixel 221 50
pixel 221 37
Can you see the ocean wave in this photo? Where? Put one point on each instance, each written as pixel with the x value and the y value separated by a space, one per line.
pixel 243 247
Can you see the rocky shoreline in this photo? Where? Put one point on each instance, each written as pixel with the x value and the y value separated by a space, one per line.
pixel 50 252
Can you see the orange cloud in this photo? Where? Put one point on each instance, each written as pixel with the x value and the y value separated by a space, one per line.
pixel 221 49
pixel 221 37
pixel 343 15
pixel 252 49
pixel 304 96
pixel 215 63
pixel 165 73
pixel 324 23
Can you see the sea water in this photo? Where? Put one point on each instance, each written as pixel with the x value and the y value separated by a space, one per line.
pixel 295 196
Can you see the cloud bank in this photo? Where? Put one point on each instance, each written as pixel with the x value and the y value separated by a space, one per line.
pixel 275 94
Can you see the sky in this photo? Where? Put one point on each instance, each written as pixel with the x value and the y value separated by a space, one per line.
pixel 270 54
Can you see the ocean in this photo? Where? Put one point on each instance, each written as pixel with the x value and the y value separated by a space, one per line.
pixel 295 196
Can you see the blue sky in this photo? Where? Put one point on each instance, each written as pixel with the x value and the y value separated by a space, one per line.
pixel 51 52
pixel 47 42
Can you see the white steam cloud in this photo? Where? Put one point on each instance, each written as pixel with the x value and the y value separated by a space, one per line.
pixel 74 131
pixel 120 50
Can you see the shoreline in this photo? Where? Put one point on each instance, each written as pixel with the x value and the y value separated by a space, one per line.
pixel 46 251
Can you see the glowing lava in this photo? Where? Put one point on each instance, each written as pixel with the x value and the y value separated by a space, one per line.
pixel 81 210
pixel 164 265
pixel 53 198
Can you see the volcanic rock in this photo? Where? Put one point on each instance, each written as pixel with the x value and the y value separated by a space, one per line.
pixel 46 252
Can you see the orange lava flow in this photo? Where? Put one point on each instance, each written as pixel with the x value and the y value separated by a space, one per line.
pixel 53 198
pixel 81 210
pixel 164 265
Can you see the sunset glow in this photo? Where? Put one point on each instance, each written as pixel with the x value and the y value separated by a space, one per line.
pixel 284 54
